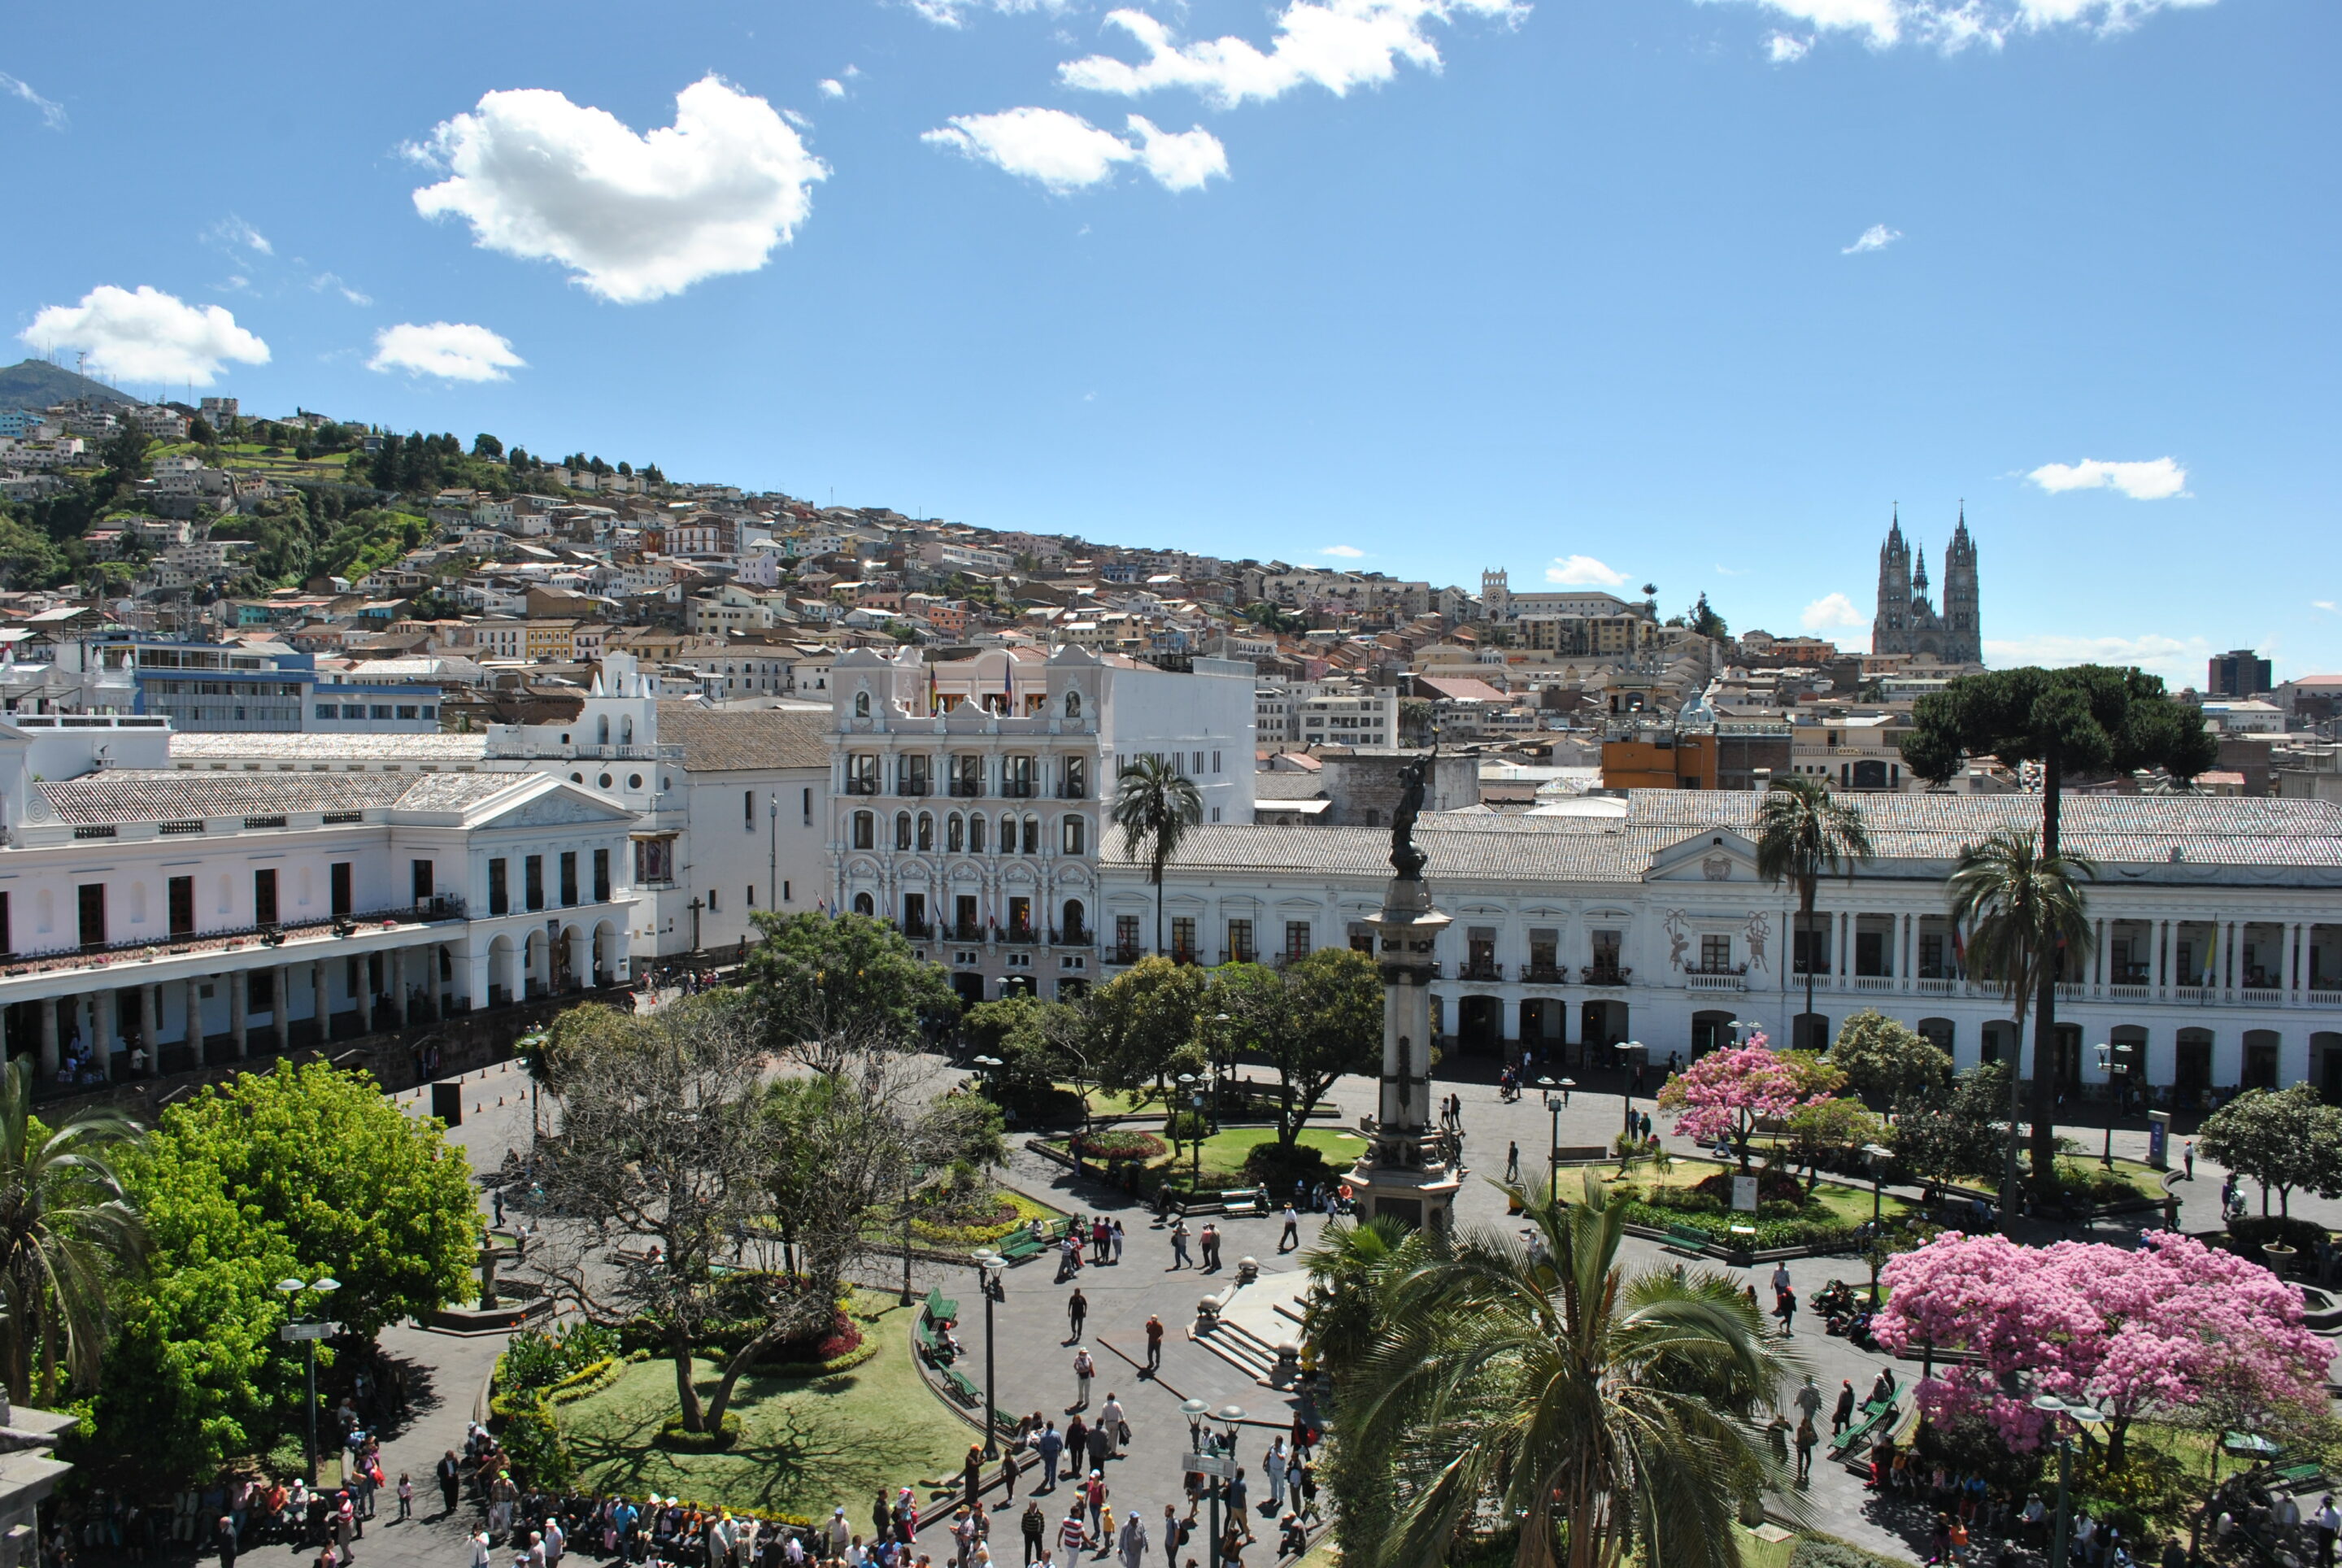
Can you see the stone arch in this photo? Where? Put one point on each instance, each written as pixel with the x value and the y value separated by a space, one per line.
pixel 1940 1033
pixel 2325 1064
pixel 500 970
pixel 2191 1067
pixel 1810 1032
pixel 606 967
pixel 1999 1042
pixel 864 905
pixel 1711 1029
pixel 1072 926
pixel 2263 1050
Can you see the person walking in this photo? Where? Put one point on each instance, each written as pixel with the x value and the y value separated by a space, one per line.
pixel 1009 1477
pixel 1117 1240
pixel 1049 1445
pixel 1786 1308
pixel 2188 1157
pixel 1292 1237
pixel 1808 1399
pixel 1078 1311
pixel 1154 1346
pixel 1512 1164
pixel 406 1497
pixel 971 1479
pixel 1179 1243
pixel 1114 1422
pixel 1094 1494
pixel 223 1538
pixel 1072 1533
pixel 1085 1369
pixel 1843 1416
pixel 1272 1470
pixel 2328 1522
pixel 1807 1438
pixel 1132 1542
pixel 1036 1525
pixel 450 1471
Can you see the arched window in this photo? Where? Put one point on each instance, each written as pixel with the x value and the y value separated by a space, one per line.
pixel 626 730
pixel 863 906
pixel 1073 705
pixel 1074 838
pixel 866 830
pixel 861 705
pixel 975 835
pixel 926 832
pixel 902 829
pixel 955 834
pixel 1076 926
pixel 1007 835
pixel 1032 835
pixel 602 731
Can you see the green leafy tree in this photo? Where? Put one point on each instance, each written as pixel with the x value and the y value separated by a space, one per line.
pixel 66 1231
pixel 1888 1059
pixel 2022 908
pixel 821 980
pixel 1315 1020
pixel 1704 620
pixel 200 432
pixel 2281 1138
pixel 1611 1415
pixel 1804 833
pixel 1025 1035
pixel 1960 1135
pixel 487 445
pixel 2085 719
pixel 1354 1269
pixel 28 559
pixel 300 1171
pixel 1821 1127
pixel 1141 1026
pixel 1155 804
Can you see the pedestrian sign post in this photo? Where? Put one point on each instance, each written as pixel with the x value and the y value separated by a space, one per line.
pixel 1208 1465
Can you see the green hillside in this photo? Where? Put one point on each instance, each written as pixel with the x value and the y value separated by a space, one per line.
pixel 36 384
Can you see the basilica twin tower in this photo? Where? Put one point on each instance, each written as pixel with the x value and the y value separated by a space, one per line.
pixel 1908 620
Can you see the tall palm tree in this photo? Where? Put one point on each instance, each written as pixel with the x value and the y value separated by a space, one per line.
pixel 1155 804
pixel 2021 909
pixel 1804 833
pixel 65 1226
pixel 1611 1415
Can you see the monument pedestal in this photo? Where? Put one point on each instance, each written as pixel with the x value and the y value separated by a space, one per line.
pixel 1411 1171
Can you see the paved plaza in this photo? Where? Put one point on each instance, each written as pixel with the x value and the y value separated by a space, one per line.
pixel 1034 1354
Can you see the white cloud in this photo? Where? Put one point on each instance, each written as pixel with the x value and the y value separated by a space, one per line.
pixel 2178 661
pixel 1723 570
pixel 954 13
pixel 1877 237
pixel 1830 612
pixel 1336 45
pixel 52 113
pixel 1347 552
pixel 1951 25
pixel 147 336
pixel 1583 571
pixel 453 350
pixel 325 280
pixel 233 231
pixel 831 87
pixel 2156 481
pixel 1065 152
pixel 636 218
pixel 1787 49
pixel 2325 604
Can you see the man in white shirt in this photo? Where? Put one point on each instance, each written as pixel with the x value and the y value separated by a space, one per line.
pixel 2327 1522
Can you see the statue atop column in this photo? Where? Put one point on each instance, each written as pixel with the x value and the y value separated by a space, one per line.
pixel 1405 857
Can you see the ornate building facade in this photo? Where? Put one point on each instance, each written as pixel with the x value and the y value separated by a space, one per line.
pixel 1908 620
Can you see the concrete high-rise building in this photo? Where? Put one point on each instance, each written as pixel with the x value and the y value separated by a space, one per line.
pixel 1908 620
pixel 2239 672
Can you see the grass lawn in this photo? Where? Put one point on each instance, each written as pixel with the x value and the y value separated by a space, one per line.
pixel 1847 1203
pixel 1224 1152
pixel 806 1444
pixel 2146 1178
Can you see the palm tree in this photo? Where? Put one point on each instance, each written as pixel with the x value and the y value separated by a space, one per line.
pixel 1155 804
pixel 65 1226
pixel 2023 911
pixel 1611 1415
pixel 1804 833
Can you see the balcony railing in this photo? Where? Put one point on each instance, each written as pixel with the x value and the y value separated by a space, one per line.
pixel 1130 954
pixel 968 788
pixel 78 956
pixel 912 787
pixel 1020 934
pixel 1481 969
pixel 1607 974
pixel 1071 793
pixel 1696 979
pixel 917 930
pixel 1185 956
pixel 1240 955
pixel 1873 982
pixel 1016 788
pixel 964 931
pixel 1546 974
pixel 1072 936
pixel 861 786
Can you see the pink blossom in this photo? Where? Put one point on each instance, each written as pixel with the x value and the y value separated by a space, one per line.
pixel 1728 1091
pixel 2131 1332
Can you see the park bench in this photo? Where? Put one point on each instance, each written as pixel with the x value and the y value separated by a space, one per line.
pixel 963 1388
pixel 931 1344
pixel 1020 1245
pixel 1689 1238
pixel 2301 1477
pixel 1237 1199
pixel 940 1308
pixel 1871 1415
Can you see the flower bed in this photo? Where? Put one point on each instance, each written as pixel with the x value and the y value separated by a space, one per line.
pixel 1123 1143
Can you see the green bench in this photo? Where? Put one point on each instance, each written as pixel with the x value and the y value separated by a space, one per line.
pixel 940 1308
pixel 2302 1477
pixel 1689 1238
pixel 1020 1245
pixel 963 1388
pixel 1236 1200
pixel 1854 1436
pixel 931 1345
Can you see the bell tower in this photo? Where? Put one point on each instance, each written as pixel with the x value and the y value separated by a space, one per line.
pixel 1963 630
pixel 1891 628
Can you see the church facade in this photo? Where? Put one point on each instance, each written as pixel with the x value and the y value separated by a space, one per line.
pixel 1908 620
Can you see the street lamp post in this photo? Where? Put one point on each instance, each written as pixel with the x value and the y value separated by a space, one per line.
pixel 1229 1417
pixel 308 1330
pixel 1630 1052
pixel 1554 1101
pixel 2050 1404
pixel 1193 1088
pixel 2114 1067
pixel 1878 1159
pixel 988 1265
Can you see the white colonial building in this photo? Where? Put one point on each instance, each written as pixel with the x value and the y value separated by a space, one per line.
pixel 2218 963
pixel 153 917
pixel 967 797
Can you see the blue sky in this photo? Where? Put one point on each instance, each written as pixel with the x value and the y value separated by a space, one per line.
pixel 1539 284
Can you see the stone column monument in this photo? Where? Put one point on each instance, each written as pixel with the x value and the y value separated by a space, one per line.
pixel 1409 1171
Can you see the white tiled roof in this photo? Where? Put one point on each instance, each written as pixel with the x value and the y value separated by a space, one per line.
pixel 442 749
pixel 168 795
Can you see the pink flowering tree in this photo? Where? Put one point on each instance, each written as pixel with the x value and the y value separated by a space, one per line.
pixel 2151 1331
pixel 1727 1092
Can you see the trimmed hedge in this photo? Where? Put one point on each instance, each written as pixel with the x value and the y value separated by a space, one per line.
pixel 1123 1143
pixel 671 1435
pixel 587 1380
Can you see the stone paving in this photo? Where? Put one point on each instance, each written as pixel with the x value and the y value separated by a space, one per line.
pixel 1034 1354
